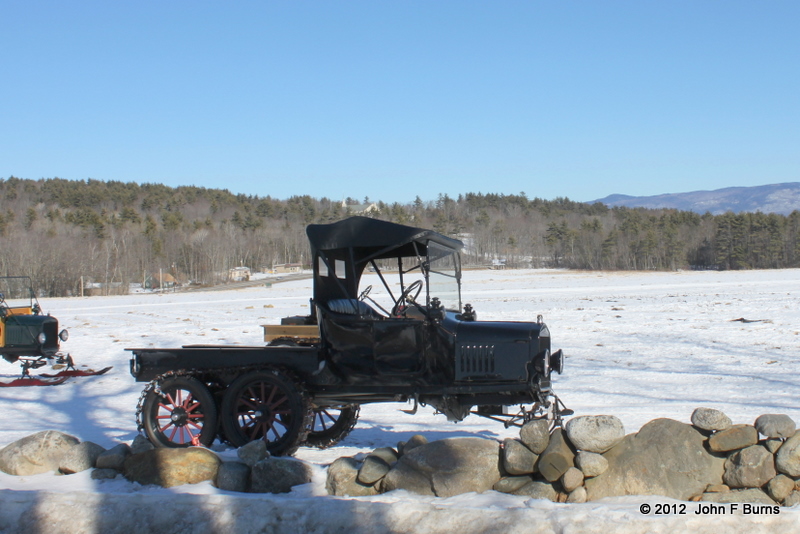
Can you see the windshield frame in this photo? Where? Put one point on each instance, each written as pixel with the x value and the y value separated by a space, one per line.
pixel 442 269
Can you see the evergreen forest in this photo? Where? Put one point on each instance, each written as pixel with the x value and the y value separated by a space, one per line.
pixel 63 233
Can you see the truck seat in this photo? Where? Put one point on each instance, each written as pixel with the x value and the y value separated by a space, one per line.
pixel 353 307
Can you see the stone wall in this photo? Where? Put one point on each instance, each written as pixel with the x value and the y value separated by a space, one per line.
pixel 590 458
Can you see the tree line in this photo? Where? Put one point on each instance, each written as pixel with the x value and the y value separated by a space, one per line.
pixel 62 231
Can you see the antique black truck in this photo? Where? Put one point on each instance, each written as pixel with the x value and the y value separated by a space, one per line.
pixel 306 385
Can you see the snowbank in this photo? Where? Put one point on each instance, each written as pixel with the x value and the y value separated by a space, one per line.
pixel 638 345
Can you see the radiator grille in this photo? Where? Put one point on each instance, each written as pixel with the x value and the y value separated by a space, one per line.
pixel 20 335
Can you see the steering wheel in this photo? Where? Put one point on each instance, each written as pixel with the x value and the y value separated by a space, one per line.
pixel 405 297
pixel 364 293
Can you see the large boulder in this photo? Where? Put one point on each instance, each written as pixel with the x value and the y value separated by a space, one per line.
pixel 591 463
pixel 774 425
pixel 517 458
pixel 751 467
pixel 141 444
pixel 233 476
pixel 595 433
pixel 342 479
pixel 37 453
pixel 733 438
pixel 253 452
pixel 511 484
pixel 80 457
pixel 413 442
pixel 780 487
pixel 665 457
pixel 169 467
pixel 447 467
pixel 557 457
pixel 538 489
pixel 710 419
pixel 535 435
pixel 577 496
pixel 787 459
pixel 572 479
pixel 114 458
pixel 372 470
pixel 278 475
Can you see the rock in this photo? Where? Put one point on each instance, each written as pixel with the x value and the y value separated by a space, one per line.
pixel 414 441
pixel 233 476
pixel 735 437
pixel 37 453
pixel 578 495
pixel 572 479
pixel 775 426
pixel 447 467
pixel 511 484
pixel 751 467
pixel 517 458
pixel 253 452
pixel 664 458
pixel 372 470
pixel 595 433
pixel 387 454
pixel 773 445
pixel 717 488
pixel 751 495
pixel 538 489
pixel 141 444
pixel 780 487
pixel 591 463
pixel 556 458
pixel 168 467
pixel 342 479
pixel 793 499
pixel 787 460
pixel 114 458
pixel 80 457
pixel 104 474
pixel 710 419
pixel 535 435
pixel 278 475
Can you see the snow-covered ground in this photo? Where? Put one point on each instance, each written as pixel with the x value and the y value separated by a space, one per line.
pixel 639 346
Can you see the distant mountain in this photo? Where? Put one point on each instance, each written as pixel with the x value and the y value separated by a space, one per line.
pixel 777 198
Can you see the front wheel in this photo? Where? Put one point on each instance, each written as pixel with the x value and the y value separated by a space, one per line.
pixel 266 405
pixel 332 424
pixel 180 412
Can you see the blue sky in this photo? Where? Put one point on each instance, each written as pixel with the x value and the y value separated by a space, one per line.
pixel 394 99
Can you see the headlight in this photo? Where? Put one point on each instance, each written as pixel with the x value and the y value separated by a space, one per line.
pixel 557 361
pixel 63 335
pixel 42 338
pixel 135 367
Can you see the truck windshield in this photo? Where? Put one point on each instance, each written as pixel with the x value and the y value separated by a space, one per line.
pixel 16 290
pixel 444 276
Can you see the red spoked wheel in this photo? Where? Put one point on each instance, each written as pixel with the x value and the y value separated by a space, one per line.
pixel 180 413
pixel 266 405
pixel 331 425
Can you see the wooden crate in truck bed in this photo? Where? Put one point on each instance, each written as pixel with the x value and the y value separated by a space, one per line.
pixel 300 334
